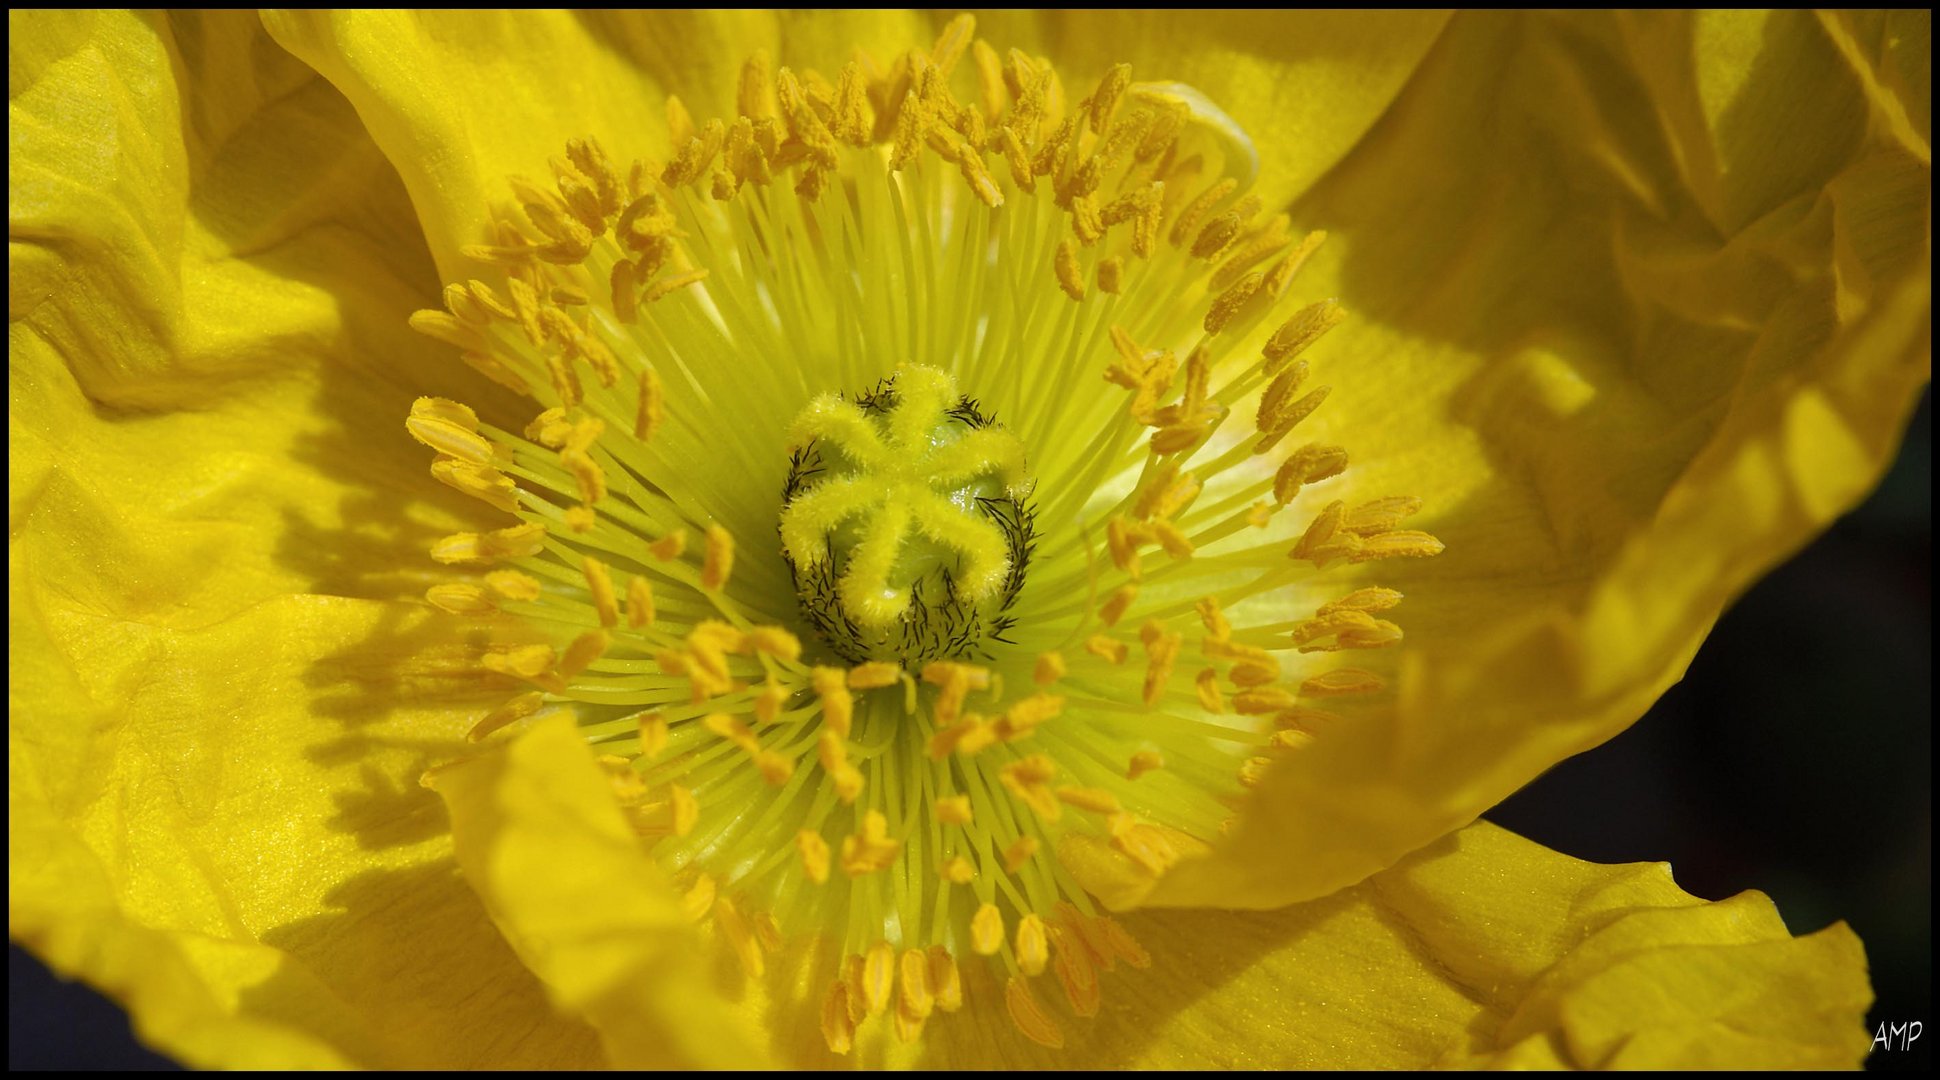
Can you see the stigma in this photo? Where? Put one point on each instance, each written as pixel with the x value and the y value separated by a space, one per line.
pixel 915 508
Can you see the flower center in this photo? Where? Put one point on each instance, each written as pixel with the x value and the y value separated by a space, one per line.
pixel 930 819
pixel 905 521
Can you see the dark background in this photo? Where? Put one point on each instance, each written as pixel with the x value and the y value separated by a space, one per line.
pixel 1794 758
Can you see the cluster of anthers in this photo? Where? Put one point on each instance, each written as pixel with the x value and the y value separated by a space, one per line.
pixel 807 768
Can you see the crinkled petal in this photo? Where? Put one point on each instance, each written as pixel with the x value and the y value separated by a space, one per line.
pixel 213 809
pixel 1659 315
pixel 1485 950
pixel 539 836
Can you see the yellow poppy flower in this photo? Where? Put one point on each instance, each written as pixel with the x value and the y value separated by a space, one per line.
pixel 1638 303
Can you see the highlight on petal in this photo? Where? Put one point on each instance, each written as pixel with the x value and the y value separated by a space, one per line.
pixel 1484 950
pixel 1631 364
pixel 541 839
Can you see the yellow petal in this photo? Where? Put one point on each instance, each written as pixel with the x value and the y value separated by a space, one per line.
pixel 1485 950
pixel 218 826
pixel 1625 380
pixel 540 837
pixel 211 773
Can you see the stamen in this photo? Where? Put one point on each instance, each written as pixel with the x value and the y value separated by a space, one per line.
pixel 890 242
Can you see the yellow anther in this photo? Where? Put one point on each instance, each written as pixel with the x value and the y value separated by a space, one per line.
pixel 1143 762
pixel 1349 625
pixel 1305 718
pixel 653 734
pixel 1260 700
pixel 585 649
pixel 914 974
pixel 1308 465
pixel 878 976
pixel 458 598
pixel 871 849
pixel 481 482
pixel 1229 303
pixel 517 542
pixel 1254 672
pixel 1380 515
pixel 1024 716
pixel 627 787
pixel 838 705
pixel 834 757
pixel 815 855
pixel 838 1030
pixel 1317 544
pixel 951 42
pixel 1339 682
pixel 1166 493
pixel 599 586
pixel 852 121
pixel 1032 945
pixel 668 286
pixel 670 546
pixel 1018 853
pixel 768 703
pixel 1105 648
pixel 874 675
pixel 441 326
pixel 1076 971
pixel 987 930
pixel 565 381
pixel 1096 800
pixel 775 768
pixel 550 428
pixel 734 731
pixel 1305 328
pixel 1161 650
pixel 751 93
pixel 652 409
pixel 1018 157
pixel 1111 275
pixel 1070 276
pixel 1029 1015
pixel 957 870
pixel 694 157
pixel 697 901
pixel 772 641
pixel 1290 739
pixel 686 810
pixel 1403 543
pixel 1207 686
pixel 1114 606
pixel 945 982
pixel 1049 668
pixel 441 427
pixel 1369 599
pixel 1187 223
pixel 639 603
pixel 680 122
pixel 512 585
pixel 509 713
pixel 953 809
pixel 718 561
pixel 1252 771
pixel 524 662
pixel 740 937
pixel 950 740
